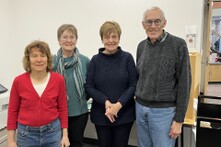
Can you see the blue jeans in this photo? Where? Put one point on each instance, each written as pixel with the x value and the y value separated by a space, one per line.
pixel 44 136
pixel 153 126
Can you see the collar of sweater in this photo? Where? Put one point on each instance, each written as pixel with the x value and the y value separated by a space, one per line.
pixel 119 50
pixel 160 39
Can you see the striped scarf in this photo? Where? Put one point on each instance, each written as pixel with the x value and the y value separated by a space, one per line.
pixel 77 71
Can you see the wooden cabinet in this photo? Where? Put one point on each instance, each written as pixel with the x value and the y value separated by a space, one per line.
pixel 215 72
pixel 195 87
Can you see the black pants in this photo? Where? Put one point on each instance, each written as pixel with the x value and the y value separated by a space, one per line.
pixel 76 127
pixel 113 136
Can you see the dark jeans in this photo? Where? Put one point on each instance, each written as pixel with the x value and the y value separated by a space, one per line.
pixel 113 136
pixel 76 127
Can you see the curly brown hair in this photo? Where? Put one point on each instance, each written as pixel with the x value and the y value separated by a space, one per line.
pixel 43 48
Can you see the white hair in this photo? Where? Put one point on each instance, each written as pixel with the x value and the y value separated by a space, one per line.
pixel 153 8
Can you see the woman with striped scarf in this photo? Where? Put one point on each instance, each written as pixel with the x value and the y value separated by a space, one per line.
pixel 73 66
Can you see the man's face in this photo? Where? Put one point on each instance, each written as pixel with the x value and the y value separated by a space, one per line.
pixel 154 24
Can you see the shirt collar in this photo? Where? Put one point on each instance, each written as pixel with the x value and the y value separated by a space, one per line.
pixel 161 38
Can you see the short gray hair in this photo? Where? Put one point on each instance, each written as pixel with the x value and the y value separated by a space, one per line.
pixel 68 27
pixel 154 8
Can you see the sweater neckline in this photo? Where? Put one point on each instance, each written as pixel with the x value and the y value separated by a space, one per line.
pixel 119 50
pixel 159 40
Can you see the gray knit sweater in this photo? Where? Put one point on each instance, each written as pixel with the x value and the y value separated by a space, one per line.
pixel 164 74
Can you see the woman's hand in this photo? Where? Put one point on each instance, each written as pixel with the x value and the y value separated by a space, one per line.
pixel 65 141
pixel 109 115
pixel 11 138
pixel 112 110
pixel 115 108
pixel 12 144
pixel 108 105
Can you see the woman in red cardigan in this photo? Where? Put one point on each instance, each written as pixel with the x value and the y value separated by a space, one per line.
pixel 38 104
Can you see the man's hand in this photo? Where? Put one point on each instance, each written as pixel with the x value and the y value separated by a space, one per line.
pixel 175 129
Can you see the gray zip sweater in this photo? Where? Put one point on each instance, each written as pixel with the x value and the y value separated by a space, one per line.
pixel 164 74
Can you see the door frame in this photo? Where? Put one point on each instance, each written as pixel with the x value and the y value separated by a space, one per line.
pixel 206 46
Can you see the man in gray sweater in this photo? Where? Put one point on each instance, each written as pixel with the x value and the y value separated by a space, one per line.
pixel 163 88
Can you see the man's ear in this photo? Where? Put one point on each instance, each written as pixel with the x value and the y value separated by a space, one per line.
pixel 164 23
pixel 143 24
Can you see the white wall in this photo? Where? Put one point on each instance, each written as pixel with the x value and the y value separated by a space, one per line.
pixel 8 59
pixel 25 20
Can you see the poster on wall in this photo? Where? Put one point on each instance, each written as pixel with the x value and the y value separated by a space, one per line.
pixel 191 41
pixel 191 33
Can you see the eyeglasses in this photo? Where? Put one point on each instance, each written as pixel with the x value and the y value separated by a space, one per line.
pixel 150 22
pixel 68 37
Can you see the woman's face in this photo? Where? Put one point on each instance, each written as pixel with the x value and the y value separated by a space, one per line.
pixel 38 60
pixel 111 42
pixel 67 41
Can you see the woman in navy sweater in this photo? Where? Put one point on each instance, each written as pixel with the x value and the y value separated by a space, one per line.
pixel 111 82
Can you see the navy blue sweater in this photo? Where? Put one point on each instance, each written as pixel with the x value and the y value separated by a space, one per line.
pixel 112 77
